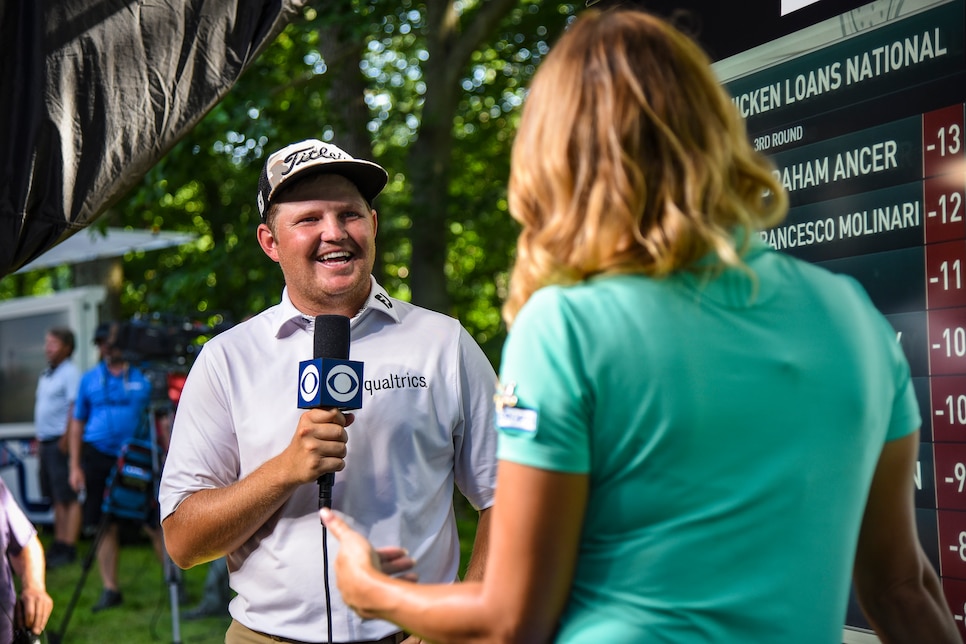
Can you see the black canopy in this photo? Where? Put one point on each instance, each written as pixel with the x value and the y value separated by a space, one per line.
pixel 94 92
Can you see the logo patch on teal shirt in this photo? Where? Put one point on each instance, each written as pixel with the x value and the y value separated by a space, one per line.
pixel 508 415
pixel 516 419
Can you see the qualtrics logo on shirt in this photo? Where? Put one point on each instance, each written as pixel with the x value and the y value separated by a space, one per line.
pixel 396 381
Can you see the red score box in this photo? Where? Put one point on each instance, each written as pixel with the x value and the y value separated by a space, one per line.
pixel 947 341
pixel 946 274
pixel 944 204
pixel 952 543
pixel 955 592
pixel 942 140
pixel 947 400
pixel 950 462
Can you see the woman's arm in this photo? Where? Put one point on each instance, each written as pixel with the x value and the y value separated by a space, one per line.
pixel 896 585
pixel 533 543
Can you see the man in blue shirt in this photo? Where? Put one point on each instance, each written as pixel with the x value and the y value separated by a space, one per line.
pixel 112 403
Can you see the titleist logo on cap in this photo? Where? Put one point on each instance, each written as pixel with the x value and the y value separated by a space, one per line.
pixel 296 158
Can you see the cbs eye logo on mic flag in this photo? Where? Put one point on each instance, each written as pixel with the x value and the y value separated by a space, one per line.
pixel 328 382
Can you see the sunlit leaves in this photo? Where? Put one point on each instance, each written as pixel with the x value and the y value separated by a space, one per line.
pixel 206 184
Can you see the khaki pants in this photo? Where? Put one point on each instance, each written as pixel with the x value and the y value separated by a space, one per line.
pixel 241 634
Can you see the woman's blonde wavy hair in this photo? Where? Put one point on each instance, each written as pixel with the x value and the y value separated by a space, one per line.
pixel 631 158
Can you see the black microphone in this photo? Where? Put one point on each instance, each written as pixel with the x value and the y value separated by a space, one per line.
pixel 330 381
pixel 331 341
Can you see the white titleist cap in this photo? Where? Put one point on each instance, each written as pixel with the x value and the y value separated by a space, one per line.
pixel 313 156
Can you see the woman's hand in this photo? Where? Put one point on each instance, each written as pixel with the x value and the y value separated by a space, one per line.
pixel 360 568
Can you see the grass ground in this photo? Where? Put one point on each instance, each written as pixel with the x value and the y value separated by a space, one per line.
pixel 146 614
pixel 145 617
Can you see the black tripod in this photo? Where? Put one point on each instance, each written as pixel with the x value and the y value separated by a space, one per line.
pixel 58 637
pixel 172 574
pixel 131 494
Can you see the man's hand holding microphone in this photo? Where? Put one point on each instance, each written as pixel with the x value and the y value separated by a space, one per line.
pixel 318 445
pixel 329 384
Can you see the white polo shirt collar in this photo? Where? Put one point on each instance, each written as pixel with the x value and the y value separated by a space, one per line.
pixel 289 319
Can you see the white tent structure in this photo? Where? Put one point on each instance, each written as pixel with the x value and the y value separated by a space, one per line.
pixel 116 242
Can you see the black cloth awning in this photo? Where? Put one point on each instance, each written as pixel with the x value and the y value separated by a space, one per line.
pixel 94 92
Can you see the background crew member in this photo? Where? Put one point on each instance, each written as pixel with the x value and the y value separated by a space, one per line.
pixel 53 406
pixel 111 405
pixel 678 460
pixel 240 477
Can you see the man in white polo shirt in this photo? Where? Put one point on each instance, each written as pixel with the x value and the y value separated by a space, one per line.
pixel 240 475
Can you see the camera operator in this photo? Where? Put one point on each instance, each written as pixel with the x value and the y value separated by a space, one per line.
pixel 111 404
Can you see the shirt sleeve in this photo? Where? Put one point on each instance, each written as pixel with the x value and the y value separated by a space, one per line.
pixel 73 384
pixel 82 407
pixel 21 529
pixel 545 402
pixel 475 443
pixel 906 417
pixel 203 452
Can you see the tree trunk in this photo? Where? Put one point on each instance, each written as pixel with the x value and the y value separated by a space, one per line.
pixel 346 97
pixel 429 177
pixel 451 40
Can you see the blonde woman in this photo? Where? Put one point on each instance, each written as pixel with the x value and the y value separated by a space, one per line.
pixel 698 436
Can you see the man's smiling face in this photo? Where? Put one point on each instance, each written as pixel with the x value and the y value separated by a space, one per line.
pixel 322 233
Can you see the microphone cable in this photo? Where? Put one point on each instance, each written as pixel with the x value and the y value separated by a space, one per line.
pixel 325 581
pixel 331 338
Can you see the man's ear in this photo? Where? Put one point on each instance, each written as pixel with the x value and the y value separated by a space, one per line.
pixel 266 239
pixel 375 222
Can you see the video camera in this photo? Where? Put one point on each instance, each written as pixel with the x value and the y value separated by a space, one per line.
pixel 160 337
pixel 163 346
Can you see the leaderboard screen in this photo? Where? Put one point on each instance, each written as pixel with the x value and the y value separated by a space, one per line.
pixel 863 115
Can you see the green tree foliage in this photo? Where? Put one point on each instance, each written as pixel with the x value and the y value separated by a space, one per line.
pixel 433 88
